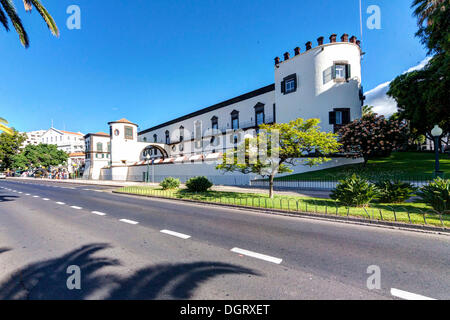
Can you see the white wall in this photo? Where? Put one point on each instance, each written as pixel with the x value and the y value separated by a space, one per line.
pixel 313 98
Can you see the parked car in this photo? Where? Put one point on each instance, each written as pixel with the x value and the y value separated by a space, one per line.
pixel 2 175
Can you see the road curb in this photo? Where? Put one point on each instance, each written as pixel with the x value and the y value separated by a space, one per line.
pixel 317 216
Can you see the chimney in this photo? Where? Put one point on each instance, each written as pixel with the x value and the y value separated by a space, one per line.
pixel 333 38
pixel 308 45
pixel 358 42
pixel 353 39
pixel 344 38
pixel 320 41
pixel 297 51
pixel 286 56
pixel 277 60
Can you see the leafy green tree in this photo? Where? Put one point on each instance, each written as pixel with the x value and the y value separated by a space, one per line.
pixel 422 96
pixel 44 155
pixel 9 147
pixel 288 144
pixel 372 136
pixel 8 10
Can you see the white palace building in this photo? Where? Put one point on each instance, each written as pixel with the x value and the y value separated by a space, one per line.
pixel 322 82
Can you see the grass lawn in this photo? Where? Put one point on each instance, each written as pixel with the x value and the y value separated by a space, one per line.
pixel 400 165
pixel 302 204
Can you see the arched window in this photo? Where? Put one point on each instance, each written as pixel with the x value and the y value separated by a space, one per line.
pixel 155 138
pixel 235 120
pixel 167 137
pixel 145 139
pixel 214 124
pixel 181 134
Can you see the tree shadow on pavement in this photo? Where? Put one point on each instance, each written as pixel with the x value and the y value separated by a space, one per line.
pixel 4 198
pixel 172 281
pixel 2 250
pixel 47 279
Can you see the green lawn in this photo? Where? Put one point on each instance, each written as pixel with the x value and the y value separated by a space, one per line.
pixel 400 165
pixel 378 211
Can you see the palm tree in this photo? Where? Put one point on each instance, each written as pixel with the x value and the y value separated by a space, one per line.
pixel 425 9
pixel 5 128
pixel 7 9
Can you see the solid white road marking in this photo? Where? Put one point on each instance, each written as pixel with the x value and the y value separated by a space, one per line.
pixel 257 255
pixel 75 207
pixel 176 234
pixel 61 203
pixel 408 295
pixel 99 213
pixel 129 221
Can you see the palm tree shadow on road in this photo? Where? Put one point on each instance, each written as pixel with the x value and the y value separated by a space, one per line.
pixel 5 198
pixel 47 280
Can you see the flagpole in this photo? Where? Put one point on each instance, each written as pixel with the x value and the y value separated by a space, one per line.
pixel 360 18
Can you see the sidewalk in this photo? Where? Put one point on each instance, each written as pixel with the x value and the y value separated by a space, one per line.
pixel 242 189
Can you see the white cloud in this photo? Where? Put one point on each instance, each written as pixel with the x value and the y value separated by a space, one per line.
pixel 382 103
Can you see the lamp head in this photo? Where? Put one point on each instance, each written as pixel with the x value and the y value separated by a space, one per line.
pixel 436 132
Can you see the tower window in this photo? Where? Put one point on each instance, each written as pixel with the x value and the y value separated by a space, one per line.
pixel 289 84
pixel 340 71
pixel 128 133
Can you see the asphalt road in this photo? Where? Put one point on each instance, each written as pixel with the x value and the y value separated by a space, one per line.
pixel 204 252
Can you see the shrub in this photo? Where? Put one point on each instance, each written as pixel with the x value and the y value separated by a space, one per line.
pixel 198 184
pixel 354 191
pixel 437 195
pixel 170 183
pixel 394 191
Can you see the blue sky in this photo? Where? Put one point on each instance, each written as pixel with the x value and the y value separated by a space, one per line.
pixel 150 61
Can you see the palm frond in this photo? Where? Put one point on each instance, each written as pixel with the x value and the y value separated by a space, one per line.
pixel 44 14
pixel 8 6
pixel 3 120
pixel 3 19
pixel 6 129
pixel 425 8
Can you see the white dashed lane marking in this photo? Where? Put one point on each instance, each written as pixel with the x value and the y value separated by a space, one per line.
pixel 99 213
pixel 257 255
pixel 61 203
pixel 75 207
pixel 45 199
pixel 408 295
pixel 128 221
pixel 176 234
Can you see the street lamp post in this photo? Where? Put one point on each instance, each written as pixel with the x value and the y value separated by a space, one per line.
pixel 148 167
pixel 436 133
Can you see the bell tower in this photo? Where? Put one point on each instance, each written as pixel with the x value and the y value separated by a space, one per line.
pixel 123 140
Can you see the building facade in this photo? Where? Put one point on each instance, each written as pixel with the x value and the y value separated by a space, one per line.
pixel 97 154
pixel 322 82
pixel 33 137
